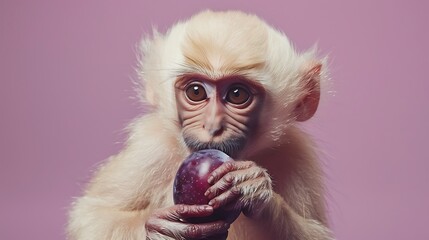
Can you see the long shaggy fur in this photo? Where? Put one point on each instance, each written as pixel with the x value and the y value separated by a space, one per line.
pixel 126 190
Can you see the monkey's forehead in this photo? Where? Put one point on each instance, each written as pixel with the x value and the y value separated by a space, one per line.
pixel 224 43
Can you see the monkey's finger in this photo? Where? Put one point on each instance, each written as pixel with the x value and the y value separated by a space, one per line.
pixel 233 178
pixel 178 230
pixel 206 230
pixel 225 183
pixel 226 198
pixel 181 211
pixel 228 167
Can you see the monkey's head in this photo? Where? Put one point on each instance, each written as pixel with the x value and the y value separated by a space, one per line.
pixel 229 81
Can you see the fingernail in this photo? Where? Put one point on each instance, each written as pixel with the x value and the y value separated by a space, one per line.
pixel 207 193
pixel 181 209
pixel 212 203
pixel 210 180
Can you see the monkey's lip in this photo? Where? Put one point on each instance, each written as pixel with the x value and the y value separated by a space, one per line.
pixel 207 148
pixel 231 146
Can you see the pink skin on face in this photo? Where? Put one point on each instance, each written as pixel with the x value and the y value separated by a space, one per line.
pixel 214 111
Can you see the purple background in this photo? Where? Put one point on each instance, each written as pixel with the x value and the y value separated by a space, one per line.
pixel 66 94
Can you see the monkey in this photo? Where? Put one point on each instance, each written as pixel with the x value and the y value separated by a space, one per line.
pixel 222 80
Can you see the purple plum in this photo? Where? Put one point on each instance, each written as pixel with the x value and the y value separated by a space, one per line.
pixel 191 183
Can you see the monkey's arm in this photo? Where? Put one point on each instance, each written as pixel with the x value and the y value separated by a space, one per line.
pixel 115 202
pixel 115 205
pixel 297 208
pixel 286 223
pixel 92 218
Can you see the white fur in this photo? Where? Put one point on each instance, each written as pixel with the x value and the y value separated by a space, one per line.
pixel 130 186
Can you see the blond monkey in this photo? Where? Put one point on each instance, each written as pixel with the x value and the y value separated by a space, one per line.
pixel 226 81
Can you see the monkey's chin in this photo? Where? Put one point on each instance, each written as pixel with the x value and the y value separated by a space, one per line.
pixel 231 146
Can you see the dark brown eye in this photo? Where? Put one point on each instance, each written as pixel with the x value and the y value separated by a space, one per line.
pixel 237 95
pixel 196 92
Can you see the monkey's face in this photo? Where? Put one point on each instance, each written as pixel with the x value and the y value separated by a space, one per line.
pixel 218 113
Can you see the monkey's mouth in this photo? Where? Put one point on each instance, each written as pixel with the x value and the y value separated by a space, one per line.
pixel 230 146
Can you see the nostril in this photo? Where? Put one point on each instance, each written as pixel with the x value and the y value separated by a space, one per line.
pixel 216 131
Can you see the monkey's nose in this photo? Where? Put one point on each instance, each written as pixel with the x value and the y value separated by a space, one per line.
pixel 214 129
pixel 214 118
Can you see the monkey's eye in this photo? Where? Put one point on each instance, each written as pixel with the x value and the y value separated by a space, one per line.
pixel 238 95
pixel 196 92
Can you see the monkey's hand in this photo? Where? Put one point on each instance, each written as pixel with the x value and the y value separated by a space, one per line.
pixel 170 223
pixel 240 185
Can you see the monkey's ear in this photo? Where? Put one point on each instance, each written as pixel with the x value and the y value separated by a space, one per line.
pixel 309 100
